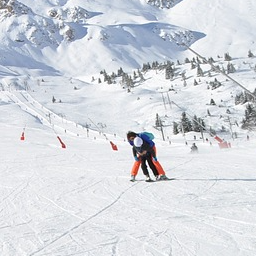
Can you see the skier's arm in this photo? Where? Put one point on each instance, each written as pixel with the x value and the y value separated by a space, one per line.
pixel 134 152
pixel 147 148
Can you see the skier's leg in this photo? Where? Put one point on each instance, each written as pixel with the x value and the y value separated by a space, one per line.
pixel 144 167
pixel 158 165
pixel 135 168
pixel 152 166
pixel 159 168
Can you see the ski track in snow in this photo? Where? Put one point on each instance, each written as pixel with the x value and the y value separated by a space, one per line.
pixel 78 201
pixel 83 222
pixel 154 203
pixel 58 209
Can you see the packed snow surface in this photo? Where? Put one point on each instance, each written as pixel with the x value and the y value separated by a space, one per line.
pixel 64 190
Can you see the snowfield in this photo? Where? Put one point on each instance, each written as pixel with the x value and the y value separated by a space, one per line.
pixel 78 200
pixel 64 191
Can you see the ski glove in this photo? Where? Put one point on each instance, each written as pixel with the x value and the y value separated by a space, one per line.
pixel 154 159
pixel 136 159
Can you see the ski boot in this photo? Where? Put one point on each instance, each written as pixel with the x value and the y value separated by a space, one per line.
pixel 163 177
pixel 148 179
pixel 132 178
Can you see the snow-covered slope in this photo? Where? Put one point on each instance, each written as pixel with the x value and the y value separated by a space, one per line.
pixel 227 25
pixel 45 48
pixel 84 37
pixel 63 190
pixel 78 200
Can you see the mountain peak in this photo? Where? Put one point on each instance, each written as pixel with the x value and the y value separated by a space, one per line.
pixel 83 37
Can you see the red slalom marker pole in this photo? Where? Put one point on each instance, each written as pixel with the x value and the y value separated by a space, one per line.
pixel 61 142
pixel 22 136
pixel 114 146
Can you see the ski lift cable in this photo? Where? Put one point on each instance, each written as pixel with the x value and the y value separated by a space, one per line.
pixel 207 130
pixel 192 118
pixel 217 69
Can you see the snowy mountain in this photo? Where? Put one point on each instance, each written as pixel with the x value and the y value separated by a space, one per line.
pixel 75 76
pixel 89 36
pixel 79 39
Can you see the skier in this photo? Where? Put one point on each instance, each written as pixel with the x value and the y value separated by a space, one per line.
pixel 194 148
pixel 143 153
pixel 151 153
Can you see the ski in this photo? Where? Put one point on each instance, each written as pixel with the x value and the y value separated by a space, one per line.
pixel 133 180
pixel 150 180
pixel 166 179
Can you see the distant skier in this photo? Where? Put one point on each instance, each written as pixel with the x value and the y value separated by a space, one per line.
pixel 194 148
pixel 145 152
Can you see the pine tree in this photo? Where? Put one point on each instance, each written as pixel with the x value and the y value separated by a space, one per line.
pixel 120 72
pixel 215 84
pixel 250 54
pixel 199 71
pixel 183 75
pixel 105 75
pixel 107 78
pixel 175 128
pixel 134 75
pixel 186 124
pixel 230 68
pixel 162 3
pixel 211 60
pixel 239 98
pixel 193 65
pixel 141 76
pixel 113 76
pixel 155 65
pixel 227 57
pixel 195 125
pixel 187 60
pixel 195 82
pixel 169 70
pixel 228 111
pixel 212 102
pixel 158 122
pixel 250 117
pixel 250 112
pixel 146 67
